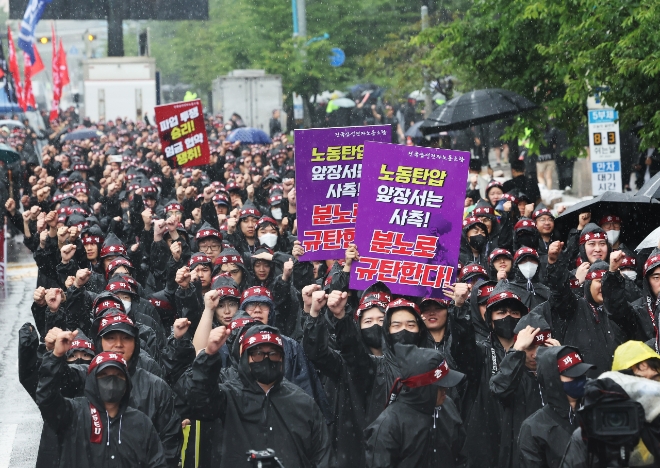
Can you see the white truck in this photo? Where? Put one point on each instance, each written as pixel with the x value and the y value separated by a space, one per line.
pixel 249 93
pixel 119 87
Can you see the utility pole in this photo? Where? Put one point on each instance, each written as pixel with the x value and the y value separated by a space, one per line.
pixel 428 103
pixel 115 30
pixel 302 18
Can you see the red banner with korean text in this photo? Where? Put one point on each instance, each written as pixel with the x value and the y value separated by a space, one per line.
pixel 182 133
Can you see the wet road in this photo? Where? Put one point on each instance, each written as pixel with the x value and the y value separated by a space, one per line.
pixel 20 421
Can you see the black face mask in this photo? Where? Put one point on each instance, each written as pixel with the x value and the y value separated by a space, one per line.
pixel 80 361
pixel 504 327
pixel 404 337
pixel 266 371
pixel 372 336
pixel 111 388
pixel 477 242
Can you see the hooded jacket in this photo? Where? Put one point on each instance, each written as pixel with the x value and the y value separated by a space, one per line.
pixel 466 255
pixel 127 440
pixel 347 400
pixel 374 374
pixel 414 432
pixel 545 434
pixel 646 309
pixel 532 292
pixel 578 321
pixel 285 419
pixel 479 361
pixel 150 394
pixel 517 388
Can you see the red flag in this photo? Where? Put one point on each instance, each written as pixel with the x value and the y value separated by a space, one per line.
pixel 57 88
pixel 13 69
pixel 28 95
pixel 38 65
pixel 64 69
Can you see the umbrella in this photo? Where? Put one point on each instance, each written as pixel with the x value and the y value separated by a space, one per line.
pixel 414 131
pixel 650 241
pixel 650 188
pixel 249 135
pixel 639 215
pixel 11 123
pixel 339 103
pixel 85 134
pixel 474 108
pixel 8 154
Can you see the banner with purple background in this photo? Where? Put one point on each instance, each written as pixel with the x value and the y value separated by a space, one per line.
pixel 328 169
pixel 408 232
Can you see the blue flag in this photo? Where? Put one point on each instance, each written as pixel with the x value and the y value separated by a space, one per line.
pixel 31 17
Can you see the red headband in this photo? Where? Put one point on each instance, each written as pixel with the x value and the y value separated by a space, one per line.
pixel 568 361
pixel 106 357
pixel 609 219
pixel 112 319
pixel 173 207
pixel 592 236
pixel 113 250
pixel 239 323
pixel 83 344
pixel 87 240
pixel 596 274
pixel 228 291
pixel 229 259
pixel 525 224
pixel 403 303
pixel 501 296
pixel 540 338
pixel 416 381
pixel 485 290
pixel 261 338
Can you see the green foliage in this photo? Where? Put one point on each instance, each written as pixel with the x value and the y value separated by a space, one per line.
pixel 258 34
pixel 557 53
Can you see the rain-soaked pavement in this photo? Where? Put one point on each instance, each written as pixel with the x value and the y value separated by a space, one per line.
pixel 20 421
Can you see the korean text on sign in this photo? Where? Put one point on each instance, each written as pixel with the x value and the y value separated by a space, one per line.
pixel 182 132
pixel 328 174
pixel 409 223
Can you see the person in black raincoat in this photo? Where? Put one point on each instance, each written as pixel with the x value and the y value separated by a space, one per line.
pixel 262 409
pixel 515 385
pixel 500 265
pixel 346 391
pixel 242 234
pixel 545 223
pixel 421 426
pixel 116 332
pixel 231 261
pixel 435 313
pixel 474 243
pixel 545 434
pixel 586 322
pixel 647 308
pixel 528 271
pixel 479 361
pixel 123 436
pixel 499 231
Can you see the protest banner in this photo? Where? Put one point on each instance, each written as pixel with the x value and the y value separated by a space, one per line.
pixel 328 168
pixel 182 133
pixel 408 231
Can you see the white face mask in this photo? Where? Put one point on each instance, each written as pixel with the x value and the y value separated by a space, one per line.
pixel 127 305
pixel 528 269
pixel 630 274
pixel 268 239
pixel 277 213
pixel 613 236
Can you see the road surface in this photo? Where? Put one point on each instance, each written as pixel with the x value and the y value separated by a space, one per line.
pixel 20 421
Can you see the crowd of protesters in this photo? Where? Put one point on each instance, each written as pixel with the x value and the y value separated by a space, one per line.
pixel 175 324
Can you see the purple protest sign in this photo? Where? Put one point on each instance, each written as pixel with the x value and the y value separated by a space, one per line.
pixel 328 169
pixel 408 231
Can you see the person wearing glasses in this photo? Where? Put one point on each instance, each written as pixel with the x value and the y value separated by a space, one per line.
pixel 209 241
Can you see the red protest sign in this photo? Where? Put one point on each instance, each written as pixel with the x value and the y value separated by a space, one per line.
pixel 182 133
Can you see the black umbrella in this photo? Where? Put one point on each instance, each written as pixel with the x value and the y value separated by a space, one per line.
pixel 414 132
pixel 474 108
pixel 650 188
pixel 85 134
pixel 639 215
pixel 8 154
